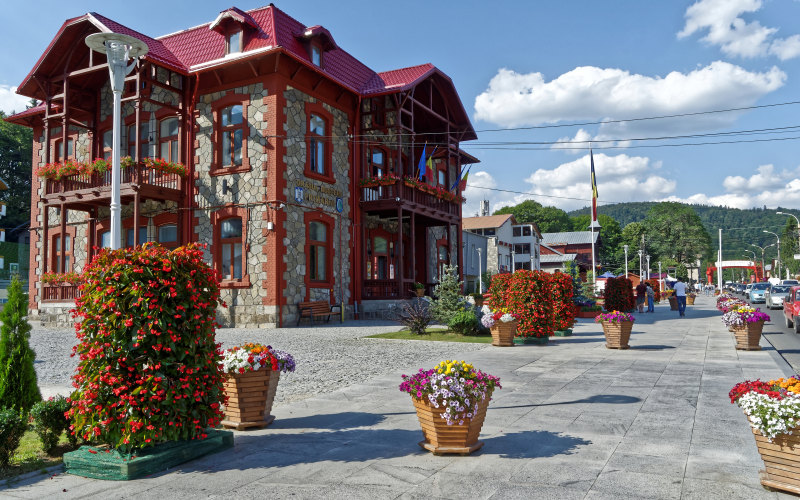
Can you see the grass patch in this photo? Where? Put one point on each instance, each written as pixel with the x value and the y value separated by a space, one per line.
pixel 30 457
pixel 436 335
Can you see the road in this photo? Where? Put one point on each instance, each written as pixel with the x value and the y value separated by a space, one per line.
pixel 783 339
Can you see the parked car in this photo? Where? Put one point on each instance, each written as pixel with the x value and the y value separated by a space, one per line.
pixel 775 296
pixel 747 288
pixel 790 282
pixel 757 292
pixel 740 288
pixel 791 308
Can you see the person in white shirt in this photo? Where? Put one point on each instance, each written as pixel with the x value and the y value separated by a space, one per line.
pixel 680 295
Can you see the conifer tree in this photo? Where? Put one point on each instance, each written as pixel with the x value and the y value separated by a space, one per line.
pixel 448 295
pixel 18 387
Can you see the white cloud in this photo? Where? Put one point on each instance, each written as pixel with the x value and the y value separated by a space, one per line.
pixel 10 101
pixel 568 144
pixel 735 36
pixel 513 99
pixel 767 187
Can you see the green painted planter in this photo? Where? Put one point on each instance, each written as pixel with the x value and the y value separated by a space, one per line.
pixel 100 463
pixel 531 340
pixel 563 333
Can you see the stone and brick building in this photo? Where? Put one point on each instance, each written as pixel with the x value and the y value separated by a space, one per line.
pixel 559 249
pixel 283 135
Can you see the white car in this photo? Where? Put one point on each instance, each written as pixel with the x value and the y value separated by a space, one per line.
pixel 773 298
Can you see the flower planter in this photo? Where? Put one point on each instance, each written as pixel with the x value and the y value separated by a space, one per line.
pixel 689 300
pixel 250 397
pixel 588 314
pixel 748 336
pixel 442 438
pixel 781 461
pixel 420 292
pixel 503 333
pixel 673 303
pixel 564 333
pixel 617 334
pixel 531 340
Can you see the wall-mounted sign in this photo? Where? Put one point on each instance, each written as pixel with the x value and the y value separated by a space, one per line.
pixel 312 193
pixel 339 205
pixel 298 194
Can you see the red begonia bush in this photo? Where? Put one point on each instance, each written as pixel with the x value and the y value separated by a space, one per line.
pixel 619 295
pixel 529 294
pixel 563 307
pixel 656 285
pixel 149 364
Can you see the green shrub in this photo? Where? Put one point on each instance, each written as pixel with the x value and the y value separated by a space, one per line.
pixel 416 316
pixel 148 370
pixel 449 300
pixel 464 322
pixel 12 427
pixel 18 388
pixel 49 421
pixel 619 295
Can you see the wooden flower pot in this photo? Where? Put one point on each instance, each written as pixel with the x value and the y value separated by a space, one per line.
pixel 420 292
pixel 503 333
pixel 441 438
pixel 617 334
pixel 748 336
pixel 781 460
pixel 689 300
pixel 250 398
pixel 673 303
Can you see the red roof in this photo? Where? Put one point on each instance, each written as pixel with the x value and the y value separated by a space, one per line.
pixel 270 27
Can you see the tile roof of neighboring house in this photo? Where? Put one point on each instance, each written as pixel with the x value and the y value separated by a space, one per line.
pixel 551 259
pixel 551 249
pixel 486 221
pixel 569 238
pixel 185 50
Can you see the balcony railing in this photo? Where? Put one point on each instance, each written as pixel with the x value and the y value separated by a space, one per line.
pixel 139 174
pixel 408 193
pixel 60 293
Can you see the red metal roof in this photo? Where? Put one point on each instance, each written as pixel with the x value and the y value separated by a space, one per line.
pixel 157 52
pixel 397 79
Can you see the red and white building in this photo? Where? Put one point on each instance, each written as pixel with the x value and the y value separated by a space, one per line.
pixel 282 133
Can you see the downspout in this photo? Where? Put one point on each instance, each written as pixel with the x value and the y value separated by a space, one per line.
pixel 190 160
pixel 356 214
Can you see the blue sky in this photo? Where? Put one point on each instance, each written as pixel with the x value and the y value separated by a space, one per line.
pixel 549 64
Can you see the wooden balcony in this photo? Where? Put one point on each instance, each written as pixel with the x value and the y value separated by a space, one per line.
pixel 64 292
pixel 95 189
pixel 388 197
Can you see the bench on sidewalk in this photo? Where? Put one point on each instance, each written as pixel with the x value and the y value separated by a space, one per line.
pixel 316 309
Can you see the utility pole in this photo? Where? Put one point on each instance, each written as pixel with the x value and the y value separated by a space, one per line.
pixel 660 277
pixel 648 266
pixel 719 262
pixel 640 264
pixel 480 271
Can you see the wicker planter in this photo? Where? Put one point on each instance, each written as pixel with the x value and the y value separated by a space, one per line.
pixel 748 336
pixel 689 300
pixel 250 397
pixel 420 292
pixel 442 438
pixel 781 460
pixel 673 303
pixel 617 334
pixel 503 333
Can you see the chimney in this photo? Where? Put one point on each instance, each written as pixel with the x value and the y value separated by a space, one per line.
pixel 484 208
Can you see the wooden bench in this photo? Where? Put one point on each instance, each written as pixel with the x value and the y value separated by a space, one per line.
pixel 316 309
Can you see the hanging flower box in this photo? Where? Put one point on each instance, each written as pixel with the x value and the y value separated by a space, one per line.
pixel 58 170
pixel 384 180
pixel 451 402
pixel 251 381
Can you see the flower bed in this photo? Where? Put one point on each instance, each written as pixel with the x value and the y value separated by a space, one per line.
pixel 529 294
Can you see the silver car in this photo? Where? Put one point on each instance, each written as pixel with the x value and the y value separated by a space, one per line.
pixel 773 297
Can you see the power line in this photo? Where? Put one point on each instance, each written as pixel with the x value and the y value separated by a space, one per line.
pixel 468 146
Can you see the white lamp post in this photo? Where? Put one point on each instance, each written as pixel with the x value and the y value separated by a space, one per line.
pixel 118 49
pixel 648 266
pixel 480 271
pixel 779 250
pixel 626 260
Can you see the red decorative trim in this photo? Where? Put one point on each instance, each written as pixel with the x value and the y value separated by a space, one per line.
pixel 318 109
pixel 216 217
pixel 216 167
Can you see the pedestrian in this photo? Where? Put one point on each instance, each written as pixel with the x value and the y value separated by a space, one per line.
pixel 680 296
pixel 651 298
pixel 641 296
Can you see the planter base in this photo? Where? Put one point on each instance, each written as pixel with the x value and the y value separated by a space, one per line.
pixel 563 333
pixel 748 348
pixel 98 464
pixel 253 424
pixel 447 450
pixel 531 340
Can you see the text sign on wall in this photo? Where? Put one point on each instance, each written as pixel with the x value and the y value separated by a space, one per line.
pixel 310 193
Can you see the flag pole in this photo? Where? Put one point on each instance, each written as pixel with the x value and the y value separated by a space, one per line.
pixel 594 219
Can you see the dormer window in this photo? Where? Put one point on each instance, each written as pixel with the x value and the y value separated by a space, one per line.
pixel 316 55
pixel 234 42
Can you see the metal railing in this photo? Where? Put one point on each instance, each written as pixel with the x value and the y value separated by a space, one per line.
pixel 408 193
pixel 60 293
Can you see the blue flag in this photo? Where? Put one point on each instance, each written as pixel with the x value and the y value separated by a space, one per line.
pixel 421 165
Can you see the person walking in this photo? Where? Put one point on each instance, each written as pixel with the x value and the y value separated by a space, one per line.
pixel 680 296
pixel 641 296
pixel 651 297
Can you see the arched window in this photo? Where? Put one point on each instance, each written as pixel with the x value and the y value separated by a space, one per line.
pixel 442 259
pixel 316 144
pixel 232 132
pixel 230 238
pixel 168 139
pixel 318 248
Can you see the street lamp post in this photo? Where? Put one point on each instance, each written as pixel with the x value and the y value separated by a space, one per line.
pixel 118 49
pixel 648 266
pixel 480 271
pixel 640 265
pixel 763 249
pixel 779 250
pixel 660 277
pixel 626 260
pixel 754 255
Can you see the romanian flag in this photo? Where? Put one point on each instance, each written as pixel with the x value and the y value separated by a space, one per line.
pixel 594 188
pixel 421 165
pixel 463 184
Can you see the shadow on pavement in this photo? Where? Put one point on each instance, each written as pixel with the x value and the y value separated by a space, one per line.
pixel 652 347
pixel 336 421
pixel 616 399
pixel 531 444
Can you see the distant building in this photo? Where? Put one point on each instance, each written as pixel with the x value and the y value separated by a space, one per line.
pixel 474 259
pixel 526 239
pixel 559 248
pixel 511 246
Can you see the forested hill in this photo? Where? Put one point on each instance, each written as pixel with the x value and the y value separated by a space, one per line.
pixel 740 227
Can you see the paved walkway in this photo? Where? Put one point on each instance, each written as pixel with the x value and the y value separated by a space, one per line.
pixel 573 420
